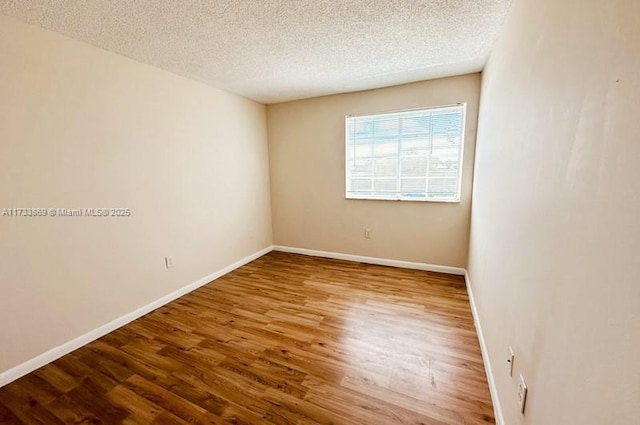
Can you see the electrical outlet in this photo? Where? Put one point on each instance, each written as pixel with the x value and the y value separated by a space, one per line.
pixel 510 359
pixel 522 393
pixel 168 262
pixel 367 233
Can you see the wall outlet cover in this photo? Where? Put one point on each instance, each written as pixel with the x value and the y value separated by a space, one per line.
pixel 522 393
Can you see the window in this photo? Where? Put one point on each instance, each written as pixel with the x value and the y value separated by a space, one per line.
pixel 412 155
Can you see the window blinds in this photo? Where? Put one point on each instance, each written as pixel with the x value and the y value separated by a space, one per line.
pixel 407 155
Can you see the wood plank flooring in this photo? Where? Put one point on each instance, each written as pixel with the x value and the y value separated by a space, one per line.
pixel 286 339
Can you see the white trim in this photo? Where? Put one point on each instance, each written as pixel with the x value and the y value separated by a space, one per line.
pixel 398 111
pixel 497 408
pixel 444 201
pixel 57 352
pixel 372 260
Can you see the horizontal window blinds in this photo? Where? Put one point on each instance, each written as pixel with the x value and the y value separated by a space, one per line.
pixel 408 155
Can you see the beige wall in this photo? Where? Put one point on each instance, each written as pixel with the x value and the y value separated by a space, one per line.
pixel 555 241
pixel 81 127
pixel 306 152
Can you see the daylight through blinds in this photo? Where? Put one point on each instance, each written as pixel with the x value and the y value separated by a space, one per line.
pixel 410 155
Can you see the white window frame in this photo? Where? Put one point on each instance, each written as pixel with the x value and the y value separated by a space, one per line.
pixel 401 198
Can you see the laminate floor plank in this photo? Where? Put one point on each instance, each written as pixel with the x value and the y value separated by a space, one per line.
pixel 287 339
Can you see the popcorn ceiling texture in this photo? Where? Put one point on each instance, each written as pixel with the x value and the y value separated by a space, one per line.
pixel 277 50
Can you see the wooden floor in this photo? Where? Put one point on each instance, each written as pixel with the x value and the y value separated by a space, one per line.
pixel 286 339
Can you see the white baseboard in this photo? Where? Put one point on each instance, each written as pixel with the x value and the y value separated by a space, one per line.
pixel 497 408
pixel 57 352
pixel 373 260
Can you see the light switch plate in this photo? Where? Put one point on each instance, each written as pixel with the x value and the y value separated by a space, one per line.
pixel 510 360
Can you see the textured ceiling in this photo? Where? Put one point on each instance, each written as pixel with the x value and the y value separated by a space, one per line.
pixel 277 50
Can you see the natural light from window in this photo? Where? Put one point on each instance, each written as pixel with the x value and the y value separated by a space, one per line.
pixel 411 155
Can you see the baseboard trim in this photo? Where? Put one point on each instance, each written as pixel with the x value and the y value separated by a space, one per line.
pixel 372 260
pixel 497 408
pixel 29 366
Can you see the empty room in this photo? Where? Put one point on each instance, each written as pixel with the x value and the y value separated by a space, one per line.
pixel 320 212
